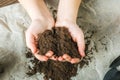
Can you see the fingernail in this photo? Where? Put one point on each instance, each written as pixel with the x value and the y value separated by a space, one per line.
pixel 45 59
pixel 82 53
pixel 65 56
pixel 49 54
pixel 75 60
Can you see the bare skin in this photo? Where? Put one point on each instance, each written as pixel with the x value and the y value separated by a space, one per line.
pixel 42 20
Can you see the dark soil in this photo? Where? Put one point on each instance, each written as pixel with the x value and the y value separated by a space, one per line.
pixel 60 42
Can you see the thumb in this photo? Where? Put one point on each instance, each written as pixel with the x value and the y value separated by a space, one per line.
pixel 33 48
pixel 82 52
pixel 30 41
pixel 81 48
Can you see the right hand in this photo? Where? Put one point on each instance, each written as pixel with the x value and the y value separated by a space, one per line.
pixel 37 27
pixel 77 36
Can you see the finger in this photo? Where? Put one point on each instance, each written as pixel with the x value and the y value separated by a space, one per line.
pixel 40 57
pixel 81 47
pixel 75 60
pixel 54 58
pixel 67 57
pixel 82 52
pixel 60 58
pixel 49 54
pixel 31 43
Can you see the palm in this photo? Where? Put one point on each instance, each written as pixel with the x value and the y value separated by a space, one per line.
pixel 78 37
pixel 32 33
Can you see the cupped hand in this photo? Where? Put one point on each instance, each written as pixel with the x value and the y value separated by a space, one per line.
pixel 37 27
pixel 77 36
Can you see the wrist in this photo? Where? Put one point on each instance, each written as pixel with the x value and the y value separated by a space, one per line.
pixel 42 18
pixel 66 19
pixel 45 22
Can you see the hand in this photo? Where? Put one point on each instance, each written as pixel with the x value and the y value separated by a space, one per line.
pixel 37 27
pixel 77 36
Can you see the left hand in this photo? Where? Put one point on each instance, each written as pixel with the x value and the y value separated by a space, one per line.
pixel 38 26
pixel 77 36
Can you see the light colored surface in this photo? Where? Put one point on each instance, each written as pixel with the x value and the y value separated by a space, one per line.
pixel 101 16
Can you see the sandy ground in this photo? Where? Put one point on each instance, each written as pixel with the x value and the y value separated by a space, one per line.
pixel 99 16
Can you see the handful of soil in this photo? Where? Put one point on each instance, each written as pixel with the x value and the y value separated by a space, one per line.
pixel 60 42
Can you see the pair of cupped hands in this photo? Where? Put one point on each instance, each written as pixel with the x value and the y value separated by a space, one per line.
pixel 38 26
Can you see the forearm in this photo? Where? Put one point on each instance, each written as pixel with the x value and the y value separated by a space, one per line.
pixel 67 10
pixel 36 9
